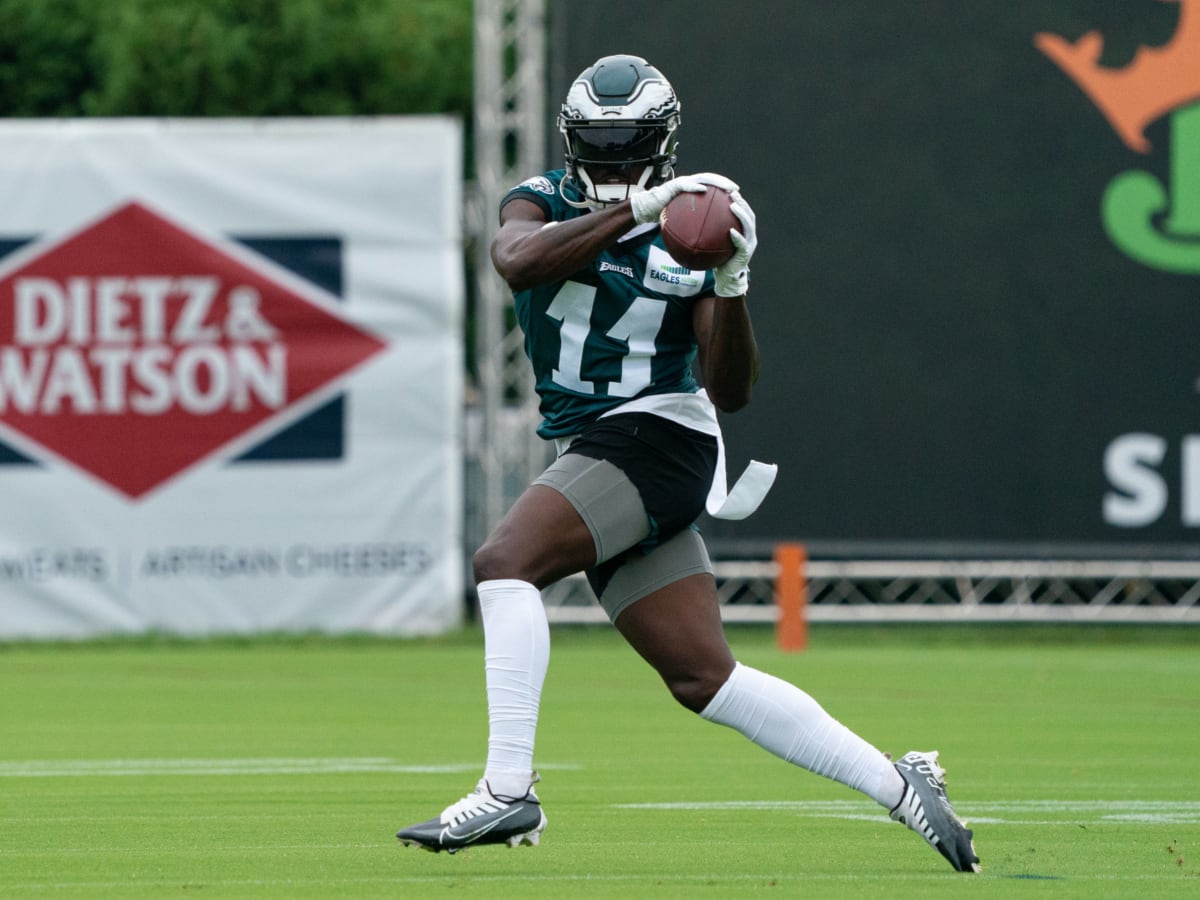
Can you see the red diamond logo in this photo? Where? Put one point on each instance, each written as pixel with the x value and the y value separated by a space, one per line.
pixel 136 348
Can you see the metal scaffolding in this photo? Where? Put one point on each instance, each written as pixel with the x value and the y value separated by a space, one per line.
pixel 995 591
pixel 510 145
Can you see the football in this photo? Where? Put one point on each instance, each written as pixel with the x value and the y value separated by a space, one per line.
pixel 695 228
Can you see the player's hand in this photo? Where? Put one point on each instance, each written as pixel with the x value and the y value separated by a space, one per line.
pixel 648 205
pixel 733 276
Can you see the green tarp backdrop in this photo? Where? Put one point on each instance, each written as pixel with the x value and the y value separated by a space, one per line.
pixel 977 293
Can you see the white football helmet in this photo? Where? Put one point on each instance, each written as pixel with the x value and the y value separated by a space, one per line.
pixel 619 124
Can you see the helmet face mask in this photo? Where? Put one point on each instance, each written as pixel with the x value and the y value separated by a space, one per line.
pixel 619 125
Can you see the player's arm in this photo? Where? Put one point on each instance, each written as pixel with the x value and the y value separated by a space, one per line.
pixel 529 251
pixel 727 351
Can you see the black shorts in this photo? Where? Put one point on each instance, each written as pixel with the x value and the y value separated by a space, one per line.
pixel 671 466
pixel 671 469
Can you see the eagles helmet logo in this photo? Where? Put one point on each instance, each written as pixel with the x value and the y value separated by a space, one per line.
pixel 619 124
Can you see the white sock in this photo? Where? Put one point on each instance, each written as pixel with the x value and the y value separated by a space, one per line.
pixel 784 720
pixel 516 640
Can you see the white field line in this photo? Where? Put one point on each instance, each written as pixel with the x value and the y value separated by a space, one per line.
pixel 995 812
pixel 980 812
pixel 41 768
pixel 835 806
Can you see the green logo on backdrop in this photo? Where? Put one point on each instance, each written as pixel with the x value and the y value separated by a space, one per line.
pixel 1156 224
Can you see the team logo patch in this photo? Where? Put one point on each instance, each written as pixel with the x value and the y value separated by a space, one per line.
pixel 666 276
pixel 135 348
pixel 539 183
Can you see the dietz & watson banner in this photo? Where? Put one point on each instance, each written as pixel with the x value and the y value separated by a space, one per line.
pixel 230 377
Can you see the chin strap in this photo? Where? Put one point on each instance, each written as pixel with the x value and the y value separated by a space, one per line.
pixel 576 204
pixel 594 201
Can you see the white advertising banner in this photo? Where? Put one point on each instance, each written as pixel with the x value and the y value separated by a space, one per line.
pixel 230 376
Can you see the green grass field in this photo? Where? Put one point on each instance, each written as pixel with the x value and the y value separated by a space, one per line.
pixel 282 768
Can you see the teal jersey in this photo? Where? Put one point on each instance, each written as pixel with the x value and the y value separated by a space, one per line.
pixel 619 328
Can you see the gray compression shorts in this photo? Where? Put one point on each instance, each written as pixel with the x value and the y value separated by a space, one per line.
pixel 611 507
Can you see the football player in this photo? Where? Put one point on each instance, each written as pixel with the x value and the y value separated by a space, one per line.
pixel 612 328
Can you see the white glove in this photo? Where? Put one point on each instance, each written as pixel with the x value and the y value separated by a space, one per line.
pixel 648 205
pixel 733 276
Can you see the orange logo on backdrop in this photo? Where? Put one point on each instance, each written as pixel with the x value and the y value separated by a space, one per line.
pixel 1157 82
pixel 1155 223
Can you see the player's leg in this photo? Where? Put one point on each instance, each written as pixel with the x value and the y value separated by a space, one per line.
pixel 652 600
pixel 578 509
pixel 584 508
pixel 676 627
pixel 541 539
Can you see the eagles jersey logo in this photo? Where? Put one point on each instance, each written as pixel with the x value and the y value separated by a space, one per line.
pixel 539 183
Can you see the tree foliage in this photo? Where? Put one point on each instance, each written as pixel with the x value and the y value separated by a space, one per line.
pixel 234 57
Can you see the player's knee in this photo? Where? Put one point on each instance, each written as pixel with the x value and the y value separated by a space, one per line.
pixel 500 557
pixel 695 691
pixel 491 562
